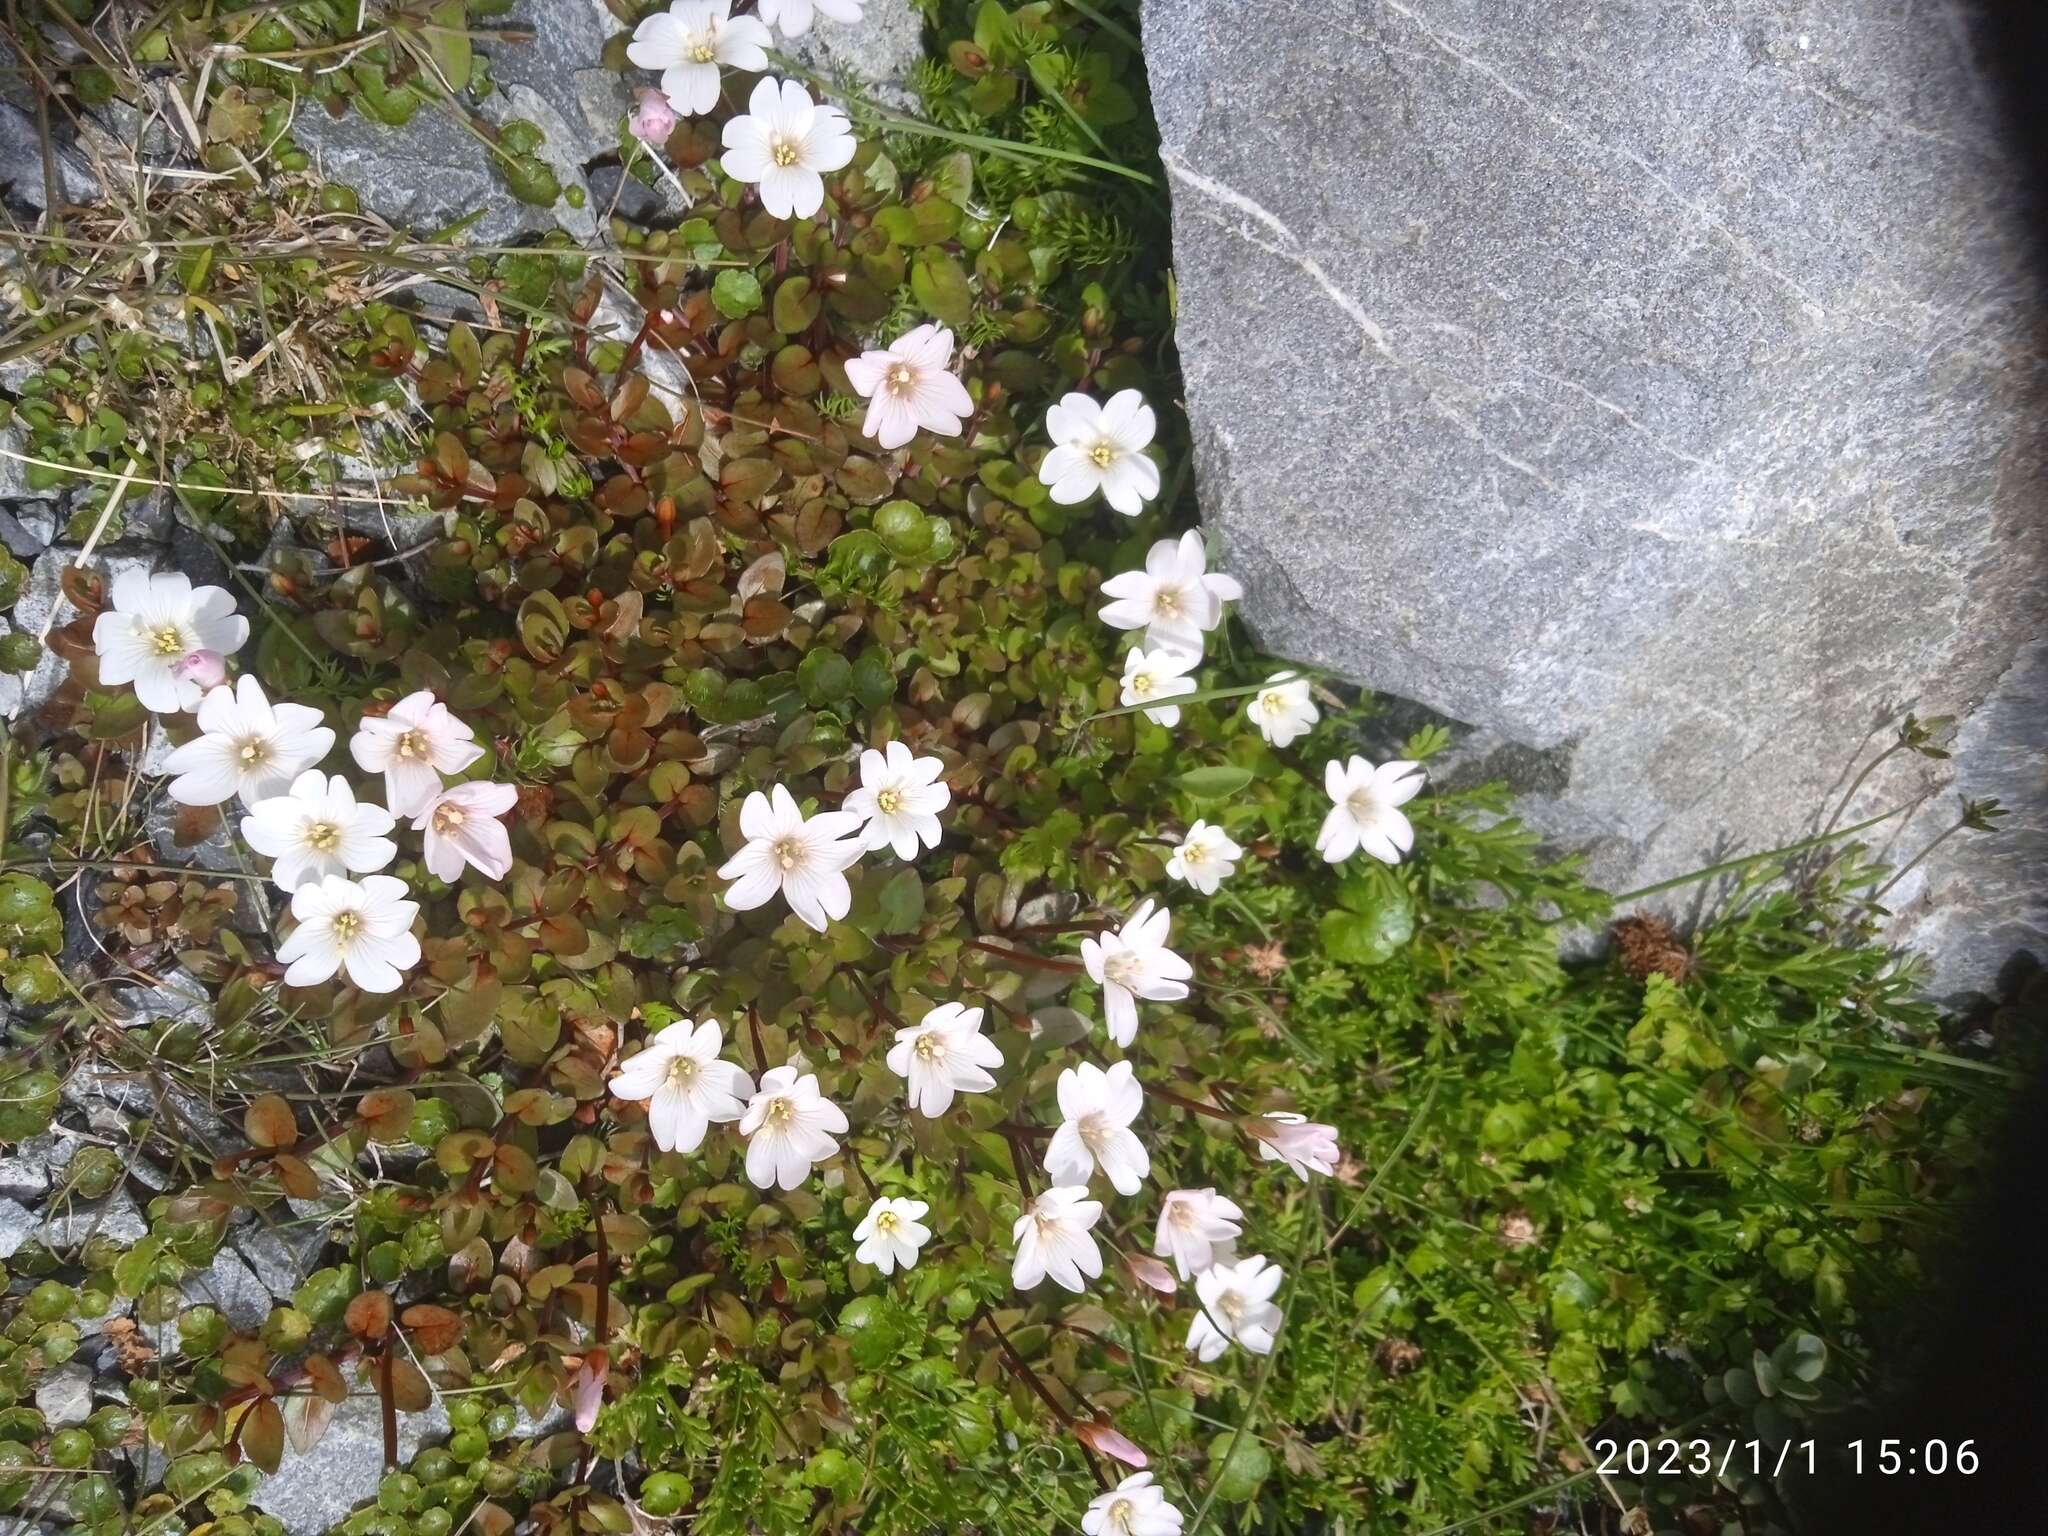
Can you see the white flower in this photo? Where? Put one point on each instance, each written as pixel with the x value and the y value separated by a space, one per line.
pixel 462 827
pixel 1052 1239
pixel 686 1086
pixel 793 17
pixel 789 1125
pixel 1096 1111
pixel 155 623
pixel 1175 599
pixel 1132 1508
pixel 890 1234
pixel 1283 710
pixel 362 927
pixel 1299 1142
pixel 691 43
pixel 1365 809
pixel 247 746
pixel 1237 1308
pixel 412 747
pixel 319 829
pixel 1152 675
pixel 1196 1228
pixel 802 858
pixel 899 799
pixel 1101 448
pixel 911 385
pixel 1205 858
pixel 784 142
pixel 1134 962
pixel 944 1054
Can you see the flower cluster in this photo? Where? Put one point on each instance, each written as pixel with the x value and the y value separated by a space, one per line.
pixel 167 637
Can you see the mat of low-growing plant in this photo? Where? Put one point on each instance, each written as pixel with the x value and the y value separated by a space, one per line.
pixel 787 964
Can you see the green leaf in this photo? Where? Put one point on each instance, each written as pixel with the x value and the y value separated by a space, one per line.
pixel 1247 1466
pixel 1367 938
pixel 1218 782
pixel 901 903
pixel 939 283
pixel 736 292
pixel 447 35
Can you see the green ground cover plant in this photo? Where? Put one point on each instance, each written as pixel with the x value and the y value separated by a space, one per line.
pixel 1684 1188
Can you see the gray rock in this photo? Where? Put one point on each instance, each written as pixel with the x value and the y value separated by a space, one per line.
pixel 871 58
pixel 25 534
pixel 311 1493
pixel 1658 393
pixel 281 1256
pixel 231 1286
pixel 115 1218
pixel 17 1227
pixel 65 1395
pixel 23 177
pixel 25 1169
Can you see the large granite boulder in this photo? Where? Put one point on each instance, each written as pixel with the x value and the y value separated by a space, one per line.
pixel 1656 389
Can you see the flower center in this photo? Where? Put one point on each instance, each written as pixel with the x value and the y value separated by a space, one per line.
pixel 1360 805
pixel 783 153
pixel 348 927
pixel 901 378
pixel 1182 1215
pixel 889 801
pixel 448 819
pixel 325 837
pixel 254 752
pixel 682 1072
pixel 779 1114
pixel 1193 853
pixel 1094 1128
pixel 1271 703
pixel 1121 969
pixel 412 744
pixel 1231 1306
pixel 886 1222
pixel 1142 685
pixel 789 853
pixel 1103 454
pixel 167 640
pixel 929 1047
pixel 1166 601
pixel 1121 1513
pixel 703 51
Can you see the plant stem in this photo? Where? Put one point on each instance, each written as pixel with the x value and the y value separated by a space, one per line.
pixel 1765 857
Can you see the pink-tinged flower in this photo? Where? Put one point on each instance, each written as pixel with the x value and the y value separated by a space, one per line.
pixel 1176 599
pixel 802 858
pixel 209 669
pixel 586 1388
pixel 1134 962
pixel 247 746
pixel 789 1125
pixel 911 385
pixel 1302 1144
pixel 1096 1111
pixel 653 118
pixel 687 1086
pixel 1237 1308
pixel 784 144
pixel 1105 1439
pixel 1365 809
pixel 1052 1240
pixel 1196 1228
pixel 156 621
pixel 412 746
pixel 363 927
pixel 463 827
pixel 690 42
pixel 1101 448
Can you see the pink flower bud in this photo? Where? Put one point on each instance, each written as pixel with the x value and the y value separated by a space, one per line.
pixel 209 669
pixel 653 119
pixel 1300 1143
